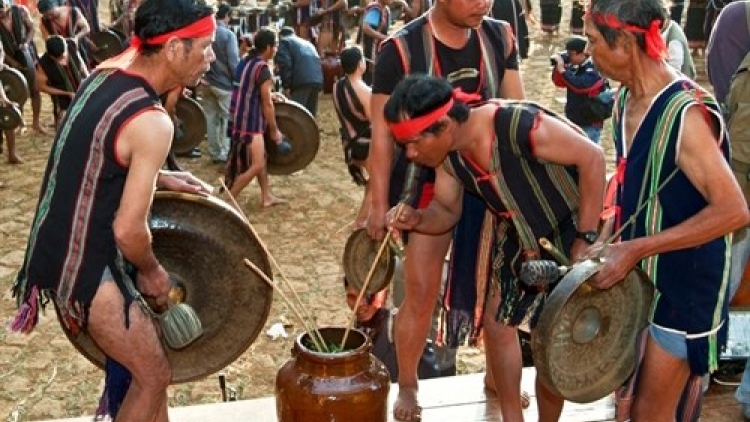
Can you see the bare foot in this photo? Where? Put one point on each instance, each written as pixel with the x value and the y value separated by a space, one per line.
pixel 14 159
pixel 406 407
pixel 525 399
pixel 273 200
pixel 39 129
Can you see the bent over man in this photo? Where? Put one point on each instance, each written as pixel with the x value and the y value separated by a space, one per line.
pixel 538 175
pixel 477 54
pixel 59 73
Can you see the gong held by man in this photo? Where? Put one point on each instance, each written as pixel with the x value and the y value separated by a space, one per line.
pixel 89 249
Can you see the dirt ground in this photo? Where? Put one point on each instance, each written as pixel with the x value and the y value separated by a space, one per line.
pixel 42 375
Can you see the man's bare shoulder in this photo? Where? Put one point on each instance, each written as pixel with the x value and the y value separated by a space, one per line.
pixel 362 89
pixel 150 126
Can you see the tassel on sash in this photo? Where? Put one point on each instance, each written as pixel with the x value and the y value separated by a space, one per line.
pixel 28 313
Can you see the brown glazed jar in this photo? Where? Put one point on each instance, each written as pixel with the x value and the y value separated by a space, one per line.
pixel 332 70
pixel 333 387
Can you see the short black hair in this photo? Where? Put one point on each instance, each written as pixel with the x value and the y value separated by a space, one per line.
pixel 157 17
pixel 350 59
pixel 419 94
pixel 263 39
pixel 368 297
pixel 45 6
pixel 223 11
pixel 576 43
pixel 55 46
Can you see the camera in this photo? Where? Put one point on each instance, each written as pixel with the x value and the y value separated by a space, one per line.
pixel 564 55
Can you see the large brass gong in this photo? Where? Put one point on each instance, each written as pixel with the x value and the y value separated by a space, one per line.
pixel 201 242
pixel 191 126
pixel 15 85
pixel 359 256
pixel 108 44
pixel 584 342
pixel 298 127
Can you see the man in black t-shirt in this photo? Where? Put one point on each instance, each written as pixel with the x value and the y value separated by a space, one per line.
pixel 476 54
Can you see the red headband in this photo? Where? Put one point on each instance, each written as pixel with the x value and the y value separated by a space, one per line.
pixel 655 47
pixel 201 28
pixel 409 128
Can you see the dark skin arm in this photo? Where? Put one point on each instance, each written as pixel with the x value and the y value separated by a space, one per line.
pixel 42 84
pixel 702 162
pixel 269 111
pixel 381 157
pixel 29 25
pixel 372 32
pixel 554 142
pixel 143 144
pixel 144 156
pixel 339 5
pixel 82 25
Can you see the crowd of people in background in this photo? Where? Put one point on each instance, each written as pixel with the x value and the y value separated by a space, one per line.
pixel 415 140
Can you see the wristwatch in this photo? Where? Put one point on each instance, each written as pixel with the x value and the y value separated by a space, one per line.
pixel 588 237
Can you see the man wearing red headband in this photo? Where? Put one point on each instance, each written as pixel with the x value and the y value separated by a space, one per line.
pixel 680 201
pixel 90 233
pixel 457 40
pixel 537 173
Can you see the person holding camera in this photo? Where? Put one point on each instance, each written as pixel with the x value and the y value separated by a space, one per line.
pixel 574 70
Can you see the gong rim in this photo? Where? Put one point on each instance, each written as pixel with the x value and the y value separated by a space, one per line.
pixel 580 351
pixel 10 117
pixel 15 84
pixel 194 125
pixel 359 253
pixel 300 130
pixel 108 43
pixel 214 350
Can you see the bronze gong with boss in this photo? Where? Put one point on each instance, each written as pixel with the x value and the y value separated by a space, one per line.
pixel 202 242
pixel 296 124
pixel 584 343
pixel 17 90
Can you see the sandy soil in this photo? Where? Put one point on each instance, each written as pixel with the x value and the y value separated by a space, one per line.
pixel 42 375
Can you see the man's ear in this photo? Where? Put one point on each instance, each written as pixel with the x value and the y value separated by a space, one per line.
pixel 446 123
pixel 626 40
pixel 172 47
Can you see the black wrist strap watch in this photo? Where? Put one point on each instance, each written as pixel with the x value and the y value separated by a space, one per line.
pixel 588 236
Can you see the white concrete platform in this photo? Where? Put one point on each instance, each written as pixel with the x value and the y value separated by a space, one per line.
pixel 452 399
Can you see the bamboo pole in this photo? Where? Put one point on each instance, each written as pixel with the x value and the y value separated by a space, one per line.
pixel 276 265
pixel 383 244
pixel 321 347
